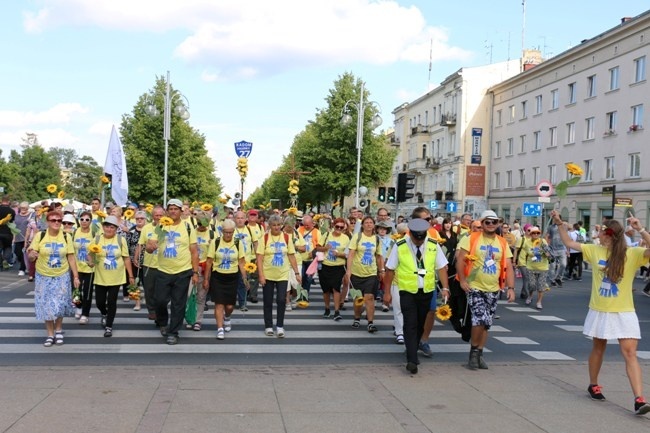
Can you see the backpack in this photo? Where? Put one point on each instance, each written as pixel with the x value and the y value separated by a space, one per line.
pixel 266 239
pixel 65 236
pixel 473 240
pixel 376 242
pixel 218 242
pixel 580 237
pixel 119 241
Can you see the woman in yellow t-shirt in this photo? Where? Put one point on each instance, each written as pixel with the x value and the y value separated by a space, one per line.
pixel 224 263
pixel 276 257
pixel 83 237
pixel 611 306
pixel 332 270
pixel 53 252
pixel 300 246
pixel 110 263
pixel 365 265
pixel 536 253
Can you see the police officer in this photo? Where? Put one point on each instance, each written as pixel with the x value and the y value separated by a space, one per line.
pixel 413 262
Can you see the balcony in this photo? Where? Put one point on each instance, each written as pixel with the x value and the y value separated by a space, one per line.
pixel 420 129
pixel 432 163
pixel 449 196
pixel 448 120
pixel 394 141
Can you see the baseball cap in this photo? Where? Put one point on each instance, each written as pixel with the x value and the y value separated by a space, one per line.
pixel 253 212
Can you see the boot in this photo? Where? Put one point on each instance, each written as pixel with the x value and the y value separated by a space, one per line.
pixel 481 362
pixel 473 363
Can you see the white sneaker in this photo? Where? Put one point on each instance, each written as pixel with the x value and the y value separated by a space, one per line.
pixel 83 320
pixel 268 332
pixel 280 332
pixel 288 307
pixel 21 273
pixel 227 325
pixel 221 334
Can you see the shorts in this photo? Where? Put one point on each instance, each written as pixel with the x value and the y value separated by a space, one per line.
pixel 223 288
pixel 331 278
pixel 483 305
pixel 536 281
pixel 367 285
pixel 610 326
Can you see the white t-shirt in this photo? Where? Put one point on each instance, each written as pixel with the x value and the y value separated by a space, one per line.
pixel 393 257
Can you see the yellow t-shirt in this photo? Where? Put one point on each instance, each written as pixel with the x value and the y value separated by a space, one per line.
pixel 245 241
pixel 174 254
pixel 338 244
pixel 52 253
pixel 311 238
pixel 203 243
pixel 536 261
pixel 607 296
pixel 148 232
pixel 81 242
pixel 486 269
pixel 364 262
pixel 298 241
pixel 109 263
pixel 226 257
pixel 256 230
pixel 275 251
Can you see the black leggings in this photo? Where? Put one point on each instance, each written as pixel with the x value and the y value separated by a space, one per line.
pixel 86 288
pixel 106 299
pixel 281 300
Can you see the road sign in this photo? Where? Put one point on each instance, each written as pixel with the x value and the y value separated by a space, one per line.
pixel 452 206
pixel 476 140
pixel 608 190
pixel 623 202
pixel 433 204
pixel 243 148
pixel 532 209
pixel 544 188
pixel 476 159
pixel 544 199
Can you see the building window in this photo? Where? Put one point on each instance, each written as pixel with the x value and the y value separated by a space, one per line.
pixel 536 175
pixel 555 99
pixel 452 144
pixel 570 133
pixel 589 128
pixel 424 151
pixel 509 179
pixel 522 177
pixel 537 140
pixel 522 143
pixel 538 104
pixel 450 181
pixel 635 165
pixel 499 117
pixel 609 168
pixel 637 116
pixel 497 180
pixel 511 146
pixel 497 149
pixel 572 93
pixel 610 118
pixel 524 109
pixel 588 163
pixel 434 115
pixel 613 78
pixel 511 114
pixel 553 136
pixel 591 86
pixel 551 173
pixel 639 69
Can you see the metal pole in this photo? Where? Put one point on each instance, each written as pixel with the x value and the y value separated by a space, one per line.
pixel 360 115
pixel 166 134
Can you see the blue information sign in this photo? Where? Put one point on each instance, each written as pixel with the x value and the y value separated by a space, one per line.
pixel 452 206
pixel 243 148
pixel 433 204
pixel 532 209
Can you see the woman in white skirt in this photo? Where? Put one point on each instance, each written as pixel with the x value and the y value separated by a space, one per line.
pixel 611 306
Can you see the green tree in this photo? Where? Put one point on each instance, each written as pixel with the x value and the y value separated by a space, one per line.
pixel 191 172
pixel 84 183
pixel 66 158
pixel 32 170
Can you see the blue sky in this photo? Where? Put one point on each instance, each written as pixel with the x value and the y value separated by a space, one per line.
pixel 253 70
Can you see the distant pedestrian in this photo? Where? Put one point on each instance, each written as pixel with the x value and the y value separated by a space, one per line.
pixel 611 306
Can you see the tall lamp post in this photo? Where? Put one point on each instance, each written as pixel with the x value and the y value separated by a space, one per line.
pixel 181 110
pixel 346 119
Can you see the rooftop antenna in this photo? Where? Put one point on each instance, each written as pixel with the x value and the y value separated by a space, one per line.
pixel 430 62
pixel 488 50
pixel 523 28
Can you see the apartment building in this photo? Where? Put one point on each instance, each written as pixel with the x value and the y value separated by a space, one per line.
pixel 584 106
pixel 442 137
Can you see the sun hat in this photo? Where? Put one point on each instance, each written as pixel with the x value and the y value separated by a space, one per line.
pixel 175 202
pixel 489 214
pixel 111 219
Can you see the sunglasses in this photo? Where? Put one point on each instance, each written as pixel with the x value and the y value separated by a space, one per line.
pixel 535 233
pixel 490 222
pixel 84 219
pixel 55 220
pixel 68 224
pixel 427 219
pixel 339 227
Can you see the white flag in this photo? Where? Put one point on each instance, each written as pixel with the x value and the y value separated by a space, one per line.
pixel 116 166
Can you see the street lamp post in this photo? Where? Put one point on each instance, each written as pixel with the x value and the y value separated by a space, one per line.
pixel 181 110
pixel 346 119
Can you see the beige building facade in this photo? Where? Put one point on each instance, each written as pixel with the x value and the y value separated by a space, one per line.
pixel 585 106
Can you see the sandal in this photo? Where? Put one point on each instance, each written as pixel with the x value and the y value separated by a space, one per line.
pixel 58 338
pixel 197 327
pixel 49 341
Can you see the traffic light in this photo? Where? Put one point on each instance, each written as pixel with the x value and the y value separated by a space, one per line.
pixel 381 195
pixel 391 195
pixel 405 182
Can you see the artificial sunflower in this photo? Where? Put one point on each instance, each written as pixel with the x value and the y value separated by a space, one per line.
pixel 94 249
pixel 359 302
pixel 51 188
pixel 574 169
pixel 148 208
pixel 166 221
pixel 443 312
pixel 101 214
pixel 128 214
pixel 302 304
pixel 61 194
pixel 104 179
pixel 206 207
pixel 250 267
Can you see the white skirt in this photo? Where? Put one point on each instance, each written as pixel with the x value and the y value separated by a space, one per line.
pixel 612 326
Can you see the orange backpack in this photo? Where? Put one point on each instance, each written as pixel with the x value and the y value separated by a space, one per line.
pixel 473 241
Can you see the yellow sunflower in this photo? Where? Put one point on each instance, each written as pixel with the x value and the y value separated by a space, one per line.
pixel 94 249
pixel 359 302
pixel 223 200
pixel 335 204
pixel 166 221
pixel 228 197
pixel 574 169
pixel 148 208
pixel 104 179
pixel 443 312
pixel 302 304
pixel 471 258
pixel 128 214
pixel 262 207
pixel 292 211
pixel 101 214
pixel 61 194
pixel 250 267
pixel 206 207
pixel 51 188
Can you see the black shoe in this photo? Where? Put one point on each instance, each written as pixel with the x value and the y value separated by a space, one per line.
pixel 558 281
pixel 337 316
pixel 163 331
pixel 103 321
pixel 372 328
pixel 482 365
pixel 172 339
pixel 473 363
pixel 646 292
pixel 412 367
pixel 326 314
pixel 523 296
pixel 553 284
pixel 253 300
pixel 108 332
pixel 595 392
pixel 641 407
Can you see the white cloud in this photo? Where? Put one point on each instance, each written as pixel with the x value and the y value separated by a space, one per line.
pixel 60 113
pixel 102 128
pixel 209 77
pixel 260 37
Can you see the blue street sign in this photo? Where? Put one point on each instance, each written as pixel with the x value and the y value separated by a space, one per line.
pixel 433 204
pixel 452 206
pixel 532 209
pixel 243 148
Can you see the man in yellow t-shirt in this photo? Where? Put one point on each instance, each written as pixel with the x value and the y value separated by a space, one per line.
pixel 150 261
pixel 178 263
pixel 257 232
pixel 482 259
pixel 248 242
